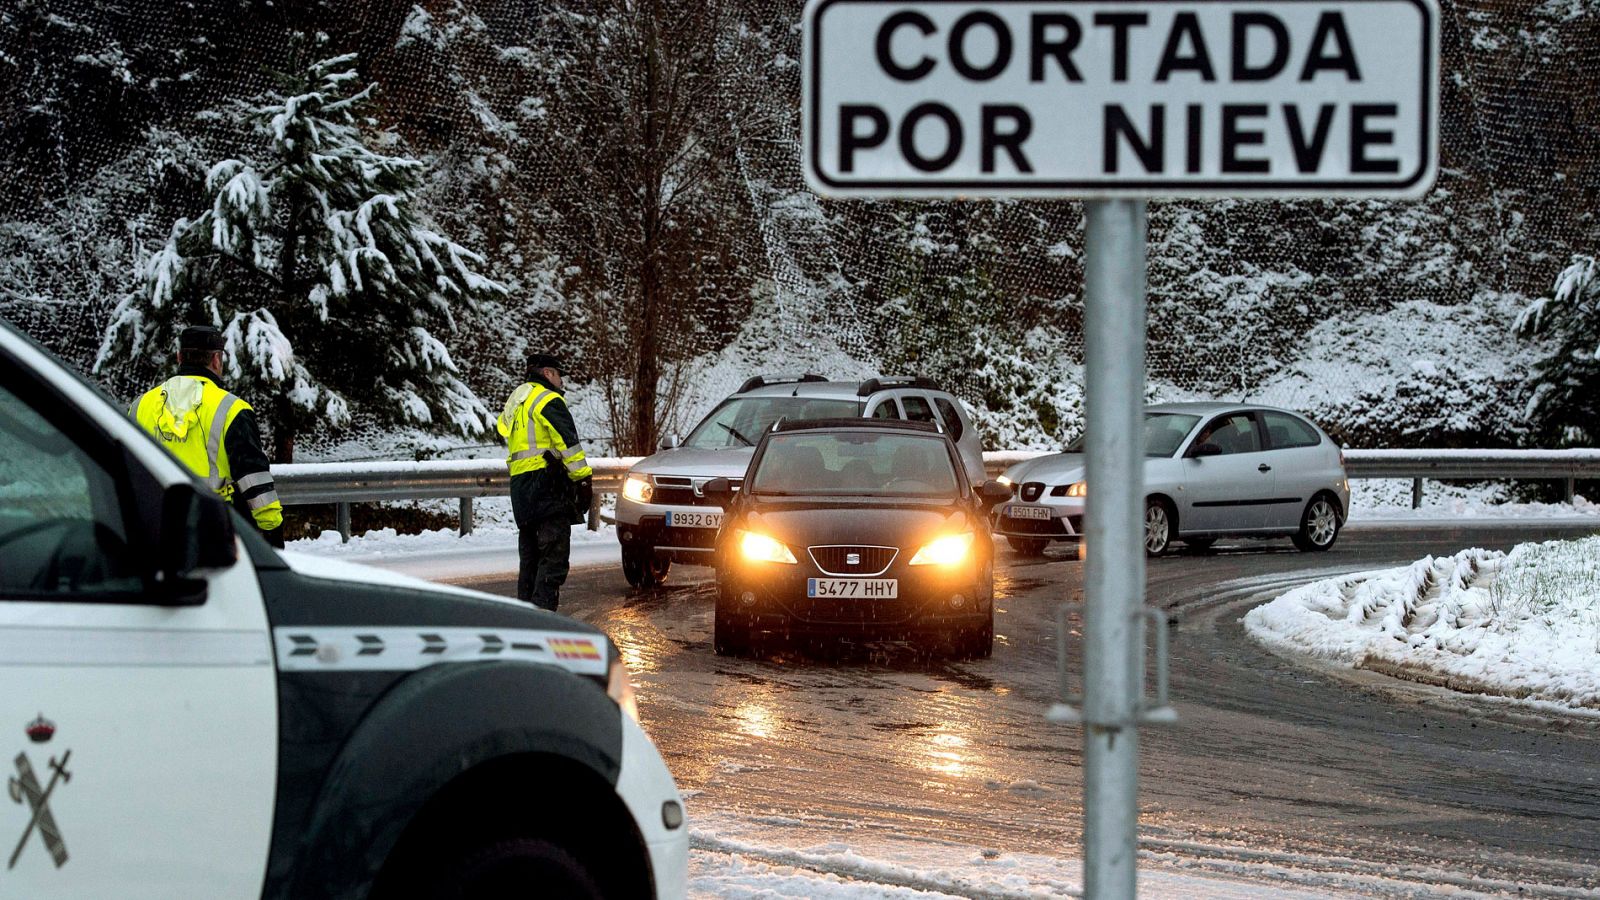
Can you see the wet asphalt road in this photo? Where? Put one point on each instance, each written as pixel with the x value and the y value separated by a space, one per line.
pixel 1272 762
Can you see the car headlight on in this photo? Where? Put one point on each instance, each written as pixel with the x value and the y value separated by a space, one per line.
pixel 757 547
pixel 1078 489
pixel 619 687
pixel 945 551
pixel 637 489
pixel 1005 481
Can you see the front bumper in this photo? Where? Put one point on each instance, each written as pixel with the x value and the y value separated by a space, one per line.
pixel 770 596
pixel 643 526
pixel 1065 522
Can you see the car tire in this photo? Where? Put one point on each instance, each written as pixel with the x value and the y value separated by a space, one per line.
pixel 645 568
pixel 1030 548
pixel 506 866
pixel 1160 525
pixel 1319 524
pixel 979 642
pixel 729 638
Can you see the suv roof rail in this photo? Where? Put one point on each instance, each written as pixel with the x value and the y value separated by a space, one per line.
pixel 756 381
pixel 787 424
pixel 873 385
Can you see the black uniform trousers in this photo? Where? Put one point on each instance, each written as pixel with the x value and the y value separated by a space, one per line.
pixel 543 508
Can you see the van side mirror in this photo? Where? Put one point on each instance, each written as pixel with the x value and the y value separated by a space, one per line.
pixel 196 534
pixel 1206 449
pixel 670 442
pixel 993 492
pixel 719 491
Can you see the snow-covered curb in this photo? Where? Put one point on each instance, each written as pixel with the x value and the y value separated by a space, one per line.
pixel 1523 625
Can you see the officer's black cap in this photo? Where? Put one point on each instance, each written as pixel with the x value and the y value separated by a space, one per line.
pixel 537 361
pixel 201 337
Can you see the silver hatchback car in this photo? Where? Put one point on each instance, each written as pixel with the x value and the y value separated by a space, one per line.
pixel 1211 470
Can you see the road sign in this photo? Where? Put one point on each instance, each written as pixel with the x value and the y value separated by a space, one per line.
pixel 1137 98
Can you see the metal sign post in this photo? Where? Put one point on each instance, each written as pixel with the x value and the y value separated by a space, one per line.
pixel 1113 649
pixel 1123 99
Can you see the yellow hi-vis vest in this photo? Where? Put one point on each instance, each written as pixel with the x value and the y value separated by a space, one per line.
pixel 189 416
pixel 530 437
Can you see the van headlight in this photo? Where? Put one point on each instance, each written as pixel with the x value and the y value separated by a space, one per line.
pixel 619 687
pixel 637 489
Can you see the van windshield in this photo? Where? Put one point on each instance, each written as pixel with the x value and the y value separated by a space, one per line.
pixel 741 421
pixel 856 464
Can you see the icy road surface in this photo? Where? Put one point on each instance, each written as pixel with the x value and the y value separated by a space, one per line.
pixel 882 771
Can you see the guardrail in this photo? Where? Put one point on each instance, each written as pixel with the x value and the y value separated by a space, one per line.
pixel 464 480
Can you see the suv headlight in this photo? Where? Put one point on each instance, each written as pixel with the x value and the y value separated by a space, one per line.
pixel 637 489
pixel 949 550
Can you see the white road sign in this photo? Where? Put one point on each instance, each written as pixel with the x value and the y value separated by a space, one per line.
pixel 1100 98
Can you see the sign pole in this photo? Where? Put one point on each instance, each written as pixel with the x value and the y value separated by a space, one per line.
pixel 1113 646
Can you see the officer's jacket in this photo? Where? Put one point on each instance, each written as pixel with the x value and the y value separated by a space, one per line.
pixel 538 429
pixel 214 433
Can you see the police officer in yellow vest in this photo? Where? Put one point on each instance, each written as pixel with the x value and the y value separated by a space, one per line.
pixel 550 479
pixel 213 432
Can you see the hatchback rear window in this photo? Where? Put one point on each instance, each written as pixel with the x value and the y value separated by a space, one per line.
pixel 1286 431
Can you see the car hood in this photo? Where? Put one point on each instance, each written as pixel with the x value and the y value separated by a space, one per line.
pixel 696 463
pixel 1057 468
pixel 896 525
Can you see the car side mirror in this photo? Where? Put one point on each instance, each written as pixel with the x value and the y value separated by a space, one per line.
pixel 993 493
pixel 719 491
pixel 1206 449
pixel 196 534
pixel 670 442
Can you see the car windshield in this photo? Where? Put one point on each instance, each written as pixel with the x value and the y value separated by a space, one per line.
pixel 1163 432
pixel 740 422
pixel 855 464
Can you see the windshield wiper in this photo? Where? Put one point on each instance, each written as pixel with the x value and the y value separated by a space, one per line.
pixel 735 432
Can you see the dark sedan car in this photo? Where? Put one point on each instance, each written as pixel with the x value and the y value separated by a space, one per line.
pixel 855 527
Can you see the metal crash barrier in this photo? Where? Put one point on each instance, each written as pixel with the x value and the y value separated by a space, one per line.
pixel 342 484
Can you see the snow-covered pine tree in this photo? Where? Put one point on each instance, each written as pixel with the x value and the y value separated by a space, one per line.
pixel 1564 401
pixel 327 283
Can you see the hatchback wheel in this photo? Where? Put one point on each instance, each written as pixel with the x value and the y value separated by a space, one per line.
pixel 1319 525
pixel 729 638
pixel 1158 527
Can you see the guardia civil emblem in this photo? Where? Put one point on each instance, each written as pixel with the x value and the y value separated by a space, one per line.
pixel 25 788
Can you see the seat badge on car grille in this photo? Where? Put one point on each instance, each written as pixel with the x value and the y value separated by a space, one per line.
pixel 852 559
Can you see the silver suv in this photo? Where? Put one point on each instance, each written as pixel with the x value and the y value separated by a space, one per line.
pixel 663 514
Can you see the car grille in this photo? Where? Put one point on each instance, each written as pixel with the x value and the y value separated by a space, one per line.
pixel 867 560
pixel 1031 491
pixel 678 490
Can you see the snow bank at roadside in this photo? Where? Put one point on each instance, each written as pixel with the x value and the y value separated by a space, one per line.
pixel 1522 625
pixel 736 854
pixel 1389 500
pixel 442 554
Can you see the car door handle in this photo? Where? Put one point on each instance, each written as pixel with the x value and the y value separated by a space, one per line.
pixel 1263 468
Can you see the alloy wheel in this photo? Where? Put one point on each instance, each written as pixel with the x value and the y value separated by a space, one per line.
pixel 1157 528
